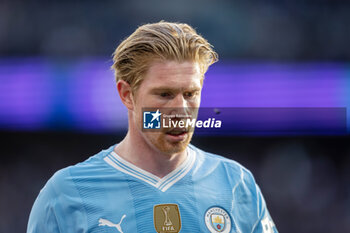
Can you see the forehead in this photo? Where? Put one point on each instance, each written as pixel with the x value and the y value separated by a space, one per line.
pixel 173 74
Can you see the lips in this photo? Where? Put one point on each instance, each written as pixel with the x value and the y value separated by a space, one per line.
pixel 177 131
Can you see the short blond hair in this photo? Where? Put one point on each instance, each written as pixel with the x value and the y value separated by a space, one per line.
pixel 160 41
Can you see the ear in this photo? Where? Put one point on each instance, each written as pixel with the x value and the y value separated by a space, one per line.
pixel 125 93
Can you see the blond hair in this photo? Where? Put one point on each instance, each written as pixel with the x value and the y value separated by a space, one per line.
pixel 160 41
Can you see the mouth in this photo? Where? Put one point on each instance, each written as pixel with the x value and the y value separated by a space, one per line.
pixel 177 131
pixel 177 134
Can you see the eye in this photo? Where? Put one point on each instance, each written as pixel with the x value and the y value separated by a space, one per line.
pixel 164 94
pixel 190 94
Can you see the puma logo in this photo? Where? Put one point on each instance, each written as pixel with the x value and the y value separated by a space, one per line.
pixel 105 222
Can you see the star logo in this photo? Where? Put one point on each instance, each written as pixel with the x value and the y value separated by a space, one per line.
pixel 156 115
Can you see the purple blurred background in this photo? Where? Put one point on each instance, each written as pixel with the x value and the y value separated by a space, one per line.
pixel 37 94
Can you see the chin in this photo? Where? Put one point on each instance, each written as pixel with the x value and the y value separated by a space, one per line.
pixel 170 147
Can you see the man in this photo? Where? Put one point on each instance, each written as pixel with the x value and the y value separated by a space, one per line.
pixel 154 181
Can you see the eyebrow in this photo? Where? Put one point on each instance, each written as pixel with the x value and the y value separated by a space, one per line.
pixel 167 88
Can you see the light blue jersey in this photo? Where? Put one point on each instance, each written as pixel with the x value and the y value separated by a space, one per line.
pixel 207 193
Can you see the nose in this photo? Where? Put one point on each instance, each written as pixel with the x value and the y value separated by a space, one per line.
pixel 179 105
pixel 179 102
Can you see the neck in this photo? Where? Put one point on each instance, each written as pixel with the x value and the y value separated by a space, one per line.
pixel 137 151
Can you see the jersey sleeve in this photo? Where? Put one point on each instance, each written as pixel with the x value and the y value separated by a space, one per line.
pixel 58 207
pixel 42 216
pixel 264 223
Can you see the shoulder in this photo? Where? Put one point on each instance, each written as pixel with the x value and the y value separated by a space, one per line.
pixel 234 171
pixel 64 192
pixel 211 158
pixel 65 180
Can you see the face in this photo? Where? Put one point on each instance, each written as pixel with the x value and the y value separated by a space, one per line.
pixel 176 87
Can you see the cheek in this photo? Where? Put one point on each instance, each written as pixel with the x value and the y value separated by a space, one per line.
pixel 137 116
pixel 195 102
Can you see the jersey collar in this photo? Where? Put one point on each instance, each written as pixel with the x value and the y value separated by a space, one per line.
pixel 162 184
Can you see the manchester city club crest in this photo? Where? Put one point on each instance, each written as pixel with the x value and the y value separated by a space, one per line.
pixel 217 220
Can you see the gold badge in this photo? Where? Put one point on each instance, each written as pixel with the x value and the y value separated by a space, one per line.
pixel 167 218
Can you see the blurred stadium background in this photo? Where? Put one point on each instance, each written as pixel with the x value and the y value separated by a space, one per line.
pixel 59 105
